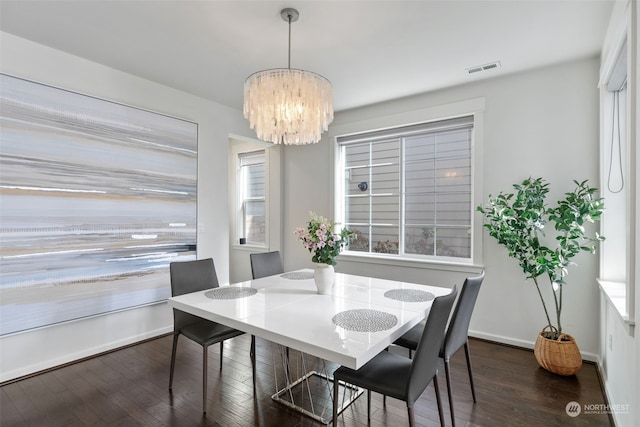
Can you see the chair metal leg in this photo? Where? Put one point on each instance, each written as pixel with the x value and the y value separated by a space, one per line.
pixel 447 373
pixel 368 405
pixel 335 401
pixel 412 418
pixel 204 379
pixel 173 359
pixel 252 348
pixel 468 354
pixel 438 399
pixel 221 350
pixel 252 355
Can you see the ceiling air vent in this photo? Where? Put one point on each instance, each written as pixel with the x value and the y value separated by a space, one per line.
pixel 485 67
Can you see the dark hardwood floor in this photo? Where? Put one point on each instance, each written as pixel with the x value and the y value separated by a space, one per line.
pixel 129 387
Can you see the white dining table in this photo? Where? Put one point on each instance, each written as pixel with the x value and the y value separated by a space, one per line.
pixel 360 317
pixel 286 309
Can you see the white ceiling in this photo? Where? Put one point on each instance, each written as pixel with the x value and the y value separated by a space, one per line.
pixel 371 50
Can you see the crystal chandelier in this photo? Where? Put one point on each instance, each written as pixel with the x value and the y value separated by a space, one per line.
pixel 287 105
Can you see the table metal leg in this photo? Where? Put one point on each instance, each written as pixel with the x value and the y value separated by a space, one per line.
pixel 319 408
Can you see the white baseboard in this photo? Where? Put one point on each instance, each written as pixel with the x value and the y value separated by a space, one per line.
pixel 7 375
pixel 522 343
pixel 78 355
pixel 39 349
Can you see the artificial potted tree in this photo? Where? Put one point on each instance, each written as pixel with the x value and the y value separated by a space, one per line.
pixel 517 221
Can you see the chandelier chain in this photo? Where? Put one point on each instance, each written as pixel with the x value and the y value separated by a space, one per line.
pixel 289 61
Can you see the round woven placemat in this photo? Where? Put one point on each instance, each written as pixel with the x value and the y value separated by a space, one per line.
pixel 409 295
pixel 230 293
pixel 364 320
pixel 297 275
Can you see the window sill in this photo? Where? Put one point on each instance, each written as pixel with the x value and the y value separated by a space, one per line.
pixel 249 247
pixel 616 293
pixel 465 267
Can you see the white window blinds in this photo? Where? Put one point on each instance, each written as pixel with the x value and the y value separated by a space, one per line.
pixel 407 191
pixel 252 196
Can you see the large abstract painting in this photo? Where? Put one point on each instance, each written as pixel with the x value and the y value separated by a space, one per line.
pixel 96 199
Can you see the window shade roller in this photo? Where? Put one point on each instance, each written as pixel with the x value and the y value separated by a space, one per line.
pixel 437 126
pixel 618 77
pixel 253 158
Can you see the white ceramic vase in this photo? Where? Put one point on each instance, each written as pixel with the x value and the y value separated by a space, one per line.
pixel 324 276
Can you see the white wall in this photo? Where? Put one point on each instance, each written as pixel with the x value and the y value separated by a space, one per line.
pixel 539 123
pixel 32 351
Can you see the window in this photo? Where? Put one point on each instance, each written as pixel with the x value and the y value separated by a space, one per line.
pixel 251 180
pixel 407 191
pixel 616 163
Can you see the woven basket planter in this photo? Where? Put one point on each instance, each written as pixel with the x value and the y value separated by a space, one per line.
pixel 561 356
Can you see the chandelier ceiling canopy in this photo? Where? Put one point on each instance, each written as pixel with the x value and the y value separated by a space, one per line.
pixel 288 105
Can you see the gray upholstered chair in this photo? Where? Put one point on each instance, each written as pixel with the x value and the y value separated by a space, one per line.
pixel 456 336
pixel 264 264
pixel 398 376
pixel 187 277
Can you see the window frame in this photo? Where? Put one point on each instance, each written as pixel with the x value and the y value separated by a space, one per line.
pixel 472 107
pixel 617 279
pixel 242 199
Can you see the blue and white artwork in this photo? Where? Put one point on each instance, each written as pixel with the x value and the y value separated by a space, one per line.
pixel 96 199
